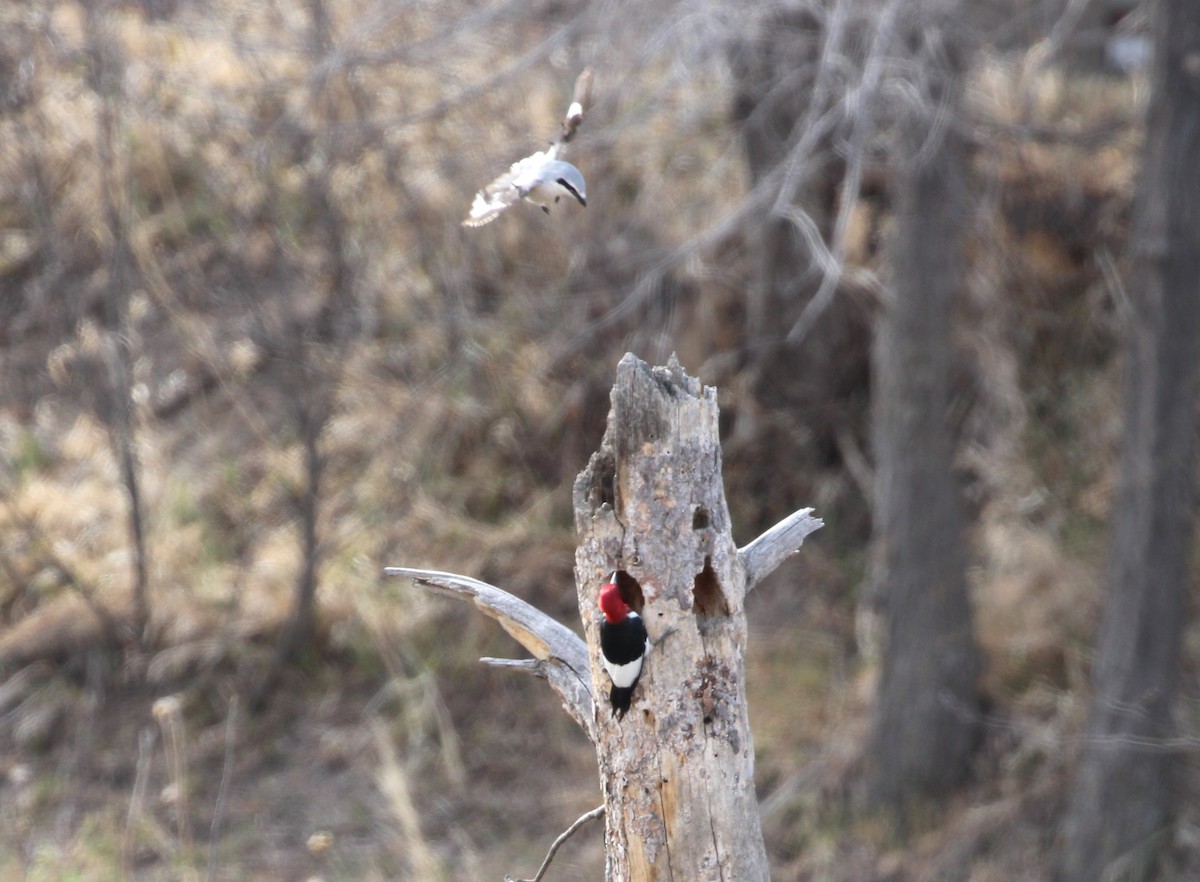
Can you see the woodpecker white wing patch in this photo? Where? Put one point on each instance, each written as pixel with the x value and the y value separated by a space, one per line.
pixel 624 676
pixel 623 647
pixel 506 190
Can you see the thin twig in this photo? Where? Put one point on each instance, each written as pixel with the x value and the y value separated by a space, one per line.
pixel 763 196
pixel 864 97
pixel 168 713
pixel 1112 282
pixel 567 834
pixel 137 801
pixel 395 782
pixel 115 630
pixel 231 722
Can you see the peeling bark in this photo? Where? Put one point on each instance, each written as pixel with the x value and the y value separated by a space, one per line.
pixel 677 772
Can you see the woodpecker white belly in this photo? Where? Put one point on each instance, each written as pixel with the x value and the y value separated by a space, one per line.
pixel 624 675
pixel 623 645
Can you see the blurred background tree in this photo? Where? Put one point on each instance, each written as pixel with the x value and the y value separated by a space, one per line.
pixel 1122 809
pixel 926 718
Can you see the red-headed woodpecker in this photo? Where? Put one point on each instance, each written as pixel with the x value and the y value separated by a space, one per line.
pixel 623 643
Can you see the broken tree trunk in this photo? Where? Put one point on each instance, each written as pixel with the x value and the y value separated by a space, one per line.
pixel 678 770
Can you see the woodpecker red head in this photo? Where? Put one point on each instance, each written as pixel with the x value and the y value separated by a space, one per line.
pixel 623 643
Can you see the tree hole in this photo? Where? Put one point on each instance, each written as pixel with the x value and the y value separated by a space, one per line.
pixel 631 591
pixel 604 482
pixel 700 518
pixel 707 597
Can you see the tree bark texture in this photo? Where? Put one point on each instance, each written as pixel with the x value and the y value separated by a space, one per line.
pixel 925 722
pixel 677 771
pixel 1120 812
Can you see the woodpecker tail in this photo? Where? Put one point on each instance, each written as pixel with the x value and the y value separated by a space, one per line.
pixel 620 700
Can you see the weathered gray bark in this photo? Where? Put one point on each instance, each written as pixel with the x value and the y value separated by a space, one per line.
pixel 678 771
pixel 925 722
pixel 559 656
pixel 1120 813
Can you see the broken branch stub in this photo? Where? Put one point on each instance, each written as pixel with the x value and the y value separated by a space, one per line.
pixel 761 557
pixel 559 656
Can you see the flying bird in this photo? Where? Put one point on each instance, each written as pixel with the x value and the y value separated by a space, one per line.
pixel 623 645
pixel 542 179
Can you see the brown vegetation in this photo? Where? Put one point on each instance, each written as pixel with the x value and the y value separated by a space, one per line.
pixel 257 186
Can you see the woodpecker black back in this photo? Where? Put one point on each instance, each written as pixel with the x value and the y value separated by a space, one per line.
pixel 623 645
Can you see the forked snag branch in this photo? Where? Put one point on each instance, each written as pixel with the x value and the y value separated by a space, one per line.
pixel 677 772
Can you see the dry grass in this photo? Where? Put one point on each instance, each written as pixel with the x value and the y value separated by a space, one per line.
pixel 462 411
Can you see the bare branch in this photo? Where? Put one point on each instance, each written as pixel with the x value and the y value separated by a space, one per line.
pixel 231 724
pixel 560 677
pixel 559 655
pixel 864 97
pixel 760 198
pixel 532 666
pixel 567 834
pixel 115 628
pixel 761 557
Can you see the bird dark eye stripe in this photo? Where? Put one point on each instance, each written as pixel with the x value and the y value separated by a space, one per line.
pixel 562 182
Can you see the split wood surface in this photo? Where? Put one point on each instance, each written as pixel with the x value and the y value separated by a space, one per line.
pixel 678 772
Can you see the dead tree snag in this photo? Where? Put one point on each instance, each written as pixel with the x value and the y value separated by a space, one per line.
pixel 678 771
